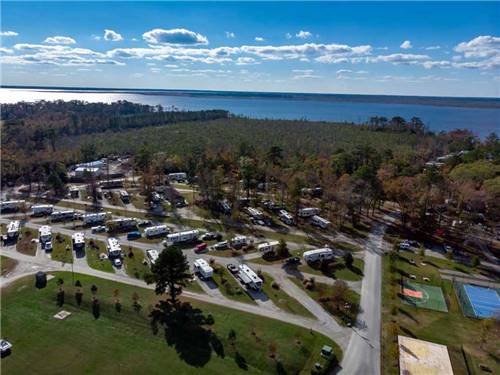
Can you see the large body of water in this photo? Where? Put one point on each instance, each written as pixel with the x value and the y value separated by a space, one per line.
pixel 438 116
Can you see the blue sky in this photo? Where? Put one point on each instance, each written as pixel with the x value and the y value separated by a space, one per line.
pixel 442 49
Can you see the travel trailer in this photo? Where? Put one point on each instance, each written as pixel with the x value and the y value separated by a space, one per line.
pixel 239 241
pixel 285 217
pixel 308 211
pixel 11 205
pixel 114 248
pixel 179 237
pixel 158 230
pixel 268 247
pixel 78 241
pixel 13 229
pixel 202 268
pixel 249 278
pixel 318 221
pixel 42 209
pixel 62 215
pixel 178 177
pixel 45 233
pixel 316 255
pixel 94 218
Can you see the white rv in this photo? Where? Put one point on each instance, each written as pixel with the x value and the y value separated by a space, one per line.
pixel 239 241
pixel 308 211
pixel 124 196
pixel 13 229
pixel 78 241
pixel 11 205
pixel 179 176
pixel 155 231
pixel 316 255
pixel 153 255
pixel 249 277
pixel 42 209
pixel 268 247
pixel 318 221
pixel 186 236
pixel 94 218
pixel 285 217
pixel 202 268
pixel 255 213
pixel 62 215
pixel 114 248
pixel 45 233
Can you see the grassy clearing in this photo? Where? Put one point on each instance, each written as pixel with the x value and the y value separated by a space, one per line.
pixel 460 334
pixel 281 299
pixel 7 265
pixel 338 270
pixel 124 339
pixel 228 285
pixel 25 243
pixel 135 262
pixel 93 249
pixel 62 248
pixel 138 201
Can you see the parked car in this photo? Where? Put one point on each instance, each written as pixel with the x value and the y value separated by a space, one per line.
pixel 201 248
pixel 5 346
pixel 211 236
pixel 292 261
pixel 98 229
pixel 232 268
pixel 117 262
pixel 47 246
pixel 133 235
pixel 221 245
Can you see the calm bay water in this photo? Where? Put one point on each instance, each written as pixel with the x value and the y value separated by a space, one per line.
pixel 482 121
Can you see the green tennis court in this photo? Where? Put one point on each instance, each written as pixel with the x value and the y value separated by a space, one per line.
pixel 424 296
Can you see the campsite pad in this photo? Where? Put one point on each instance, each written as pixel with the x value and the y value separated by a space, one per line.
pixel 61 315
pixel 424 296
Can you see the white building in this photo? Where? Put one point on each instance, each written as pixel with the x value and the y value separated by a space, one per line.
pixel 158 230
pixel 13 229
pixel 202 268
pixel 114 248
pixel 45 233
pixel 42 209
pixel 249 277
pixel 318 255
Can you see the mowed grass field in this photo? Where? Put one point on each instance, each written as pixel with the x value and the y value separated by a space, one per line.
pixel 461 335
pixel 122 342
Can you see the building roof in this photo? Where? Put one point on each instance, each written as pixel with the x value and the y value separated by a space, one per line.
pixel 418 357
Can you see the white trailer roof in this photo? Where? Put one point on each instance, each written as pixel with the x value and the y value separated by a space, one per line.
pixel 317 251
pixel 248 275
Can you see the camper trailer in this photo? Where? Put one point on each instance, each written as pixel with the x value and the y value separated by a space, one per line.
pixel 308 211
pixel 78 239
pixel 318 255
pixel 318 221
pixel 122 224
pixel 202 268
pixel 94 218
pixel 268 247
pixel 179 237
pixel 178 177
pixel 42 209
pixel 11 205
pixel 45 233
pixel 249 278
pixel 155 231
pixel 152 255
pixel 239 241
pixel 124 196
pixel 13 229
pixel 62 215
pixel 254 213
pixel 111 184
pixel 114 248
pixel 285 217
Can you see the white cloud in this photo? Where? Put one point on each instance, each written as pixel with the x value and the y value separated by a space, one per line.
pixel 59 40
pixel 303 34
pixel 436 64
pixel 174 37
pixel 259 39
pixel 172 66
pixel 5 50
pixel 138 75
pixel 480 47
pixel 155 70
pixel 351 74
pixel 246 61
pixel 406 45
pixel 230 35
pixel 112 36
pixel 431 48
pixel 288 36
pixel 399 58
pixel 8 33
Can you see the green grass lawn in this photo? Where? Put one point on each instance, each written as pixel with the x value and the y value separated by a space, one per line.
pixel 281 299
pixel 123 341
pixel 7 265
pixel 62 248
pixel 134 265
pixel 92 250
pixel 228 285
pixel 25 243
pixel 339 271
pixel 138 201
pixel 460 334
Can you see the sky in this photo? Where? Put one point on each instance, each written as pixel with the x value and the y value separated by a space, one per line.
pixel 393 48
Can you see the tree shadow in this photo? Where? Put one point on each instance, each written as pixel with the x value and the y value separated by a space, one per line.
pixel 184 329
pixel 407 314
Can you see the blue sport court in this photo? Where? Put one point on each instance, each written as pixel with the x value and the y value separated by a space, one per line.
pixel 484 301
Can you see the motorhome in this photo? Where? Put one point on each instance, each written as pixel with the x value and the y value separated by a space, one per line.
pixel 94 218
pixel 316 255
pixel 124 196
pixel 78 239
pixel 285 217
pixel 13 229
pixel 122 223
pixel 268 247
pixel 318 221
pixel 308 211
pixel 158 230
pixel 153 255
pixel 42 209
pixel 62 215
pixel 11 205
pixel 185 236
pixel 111 184
pixel 114 248
pixel 249 278
pixel 45 233
pixel 202 268
pixel 178 177
pixel 239 241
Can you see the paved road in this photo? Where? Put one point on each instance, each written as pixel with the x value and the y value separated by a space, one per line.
pixel 363 352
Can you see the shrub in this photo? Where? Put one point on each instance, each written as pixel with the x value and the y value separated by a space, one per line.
pixel 275 285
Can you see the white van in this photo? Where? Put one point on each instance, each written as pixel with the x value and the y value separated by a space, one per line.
pixel 318 255
pixel 202 268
